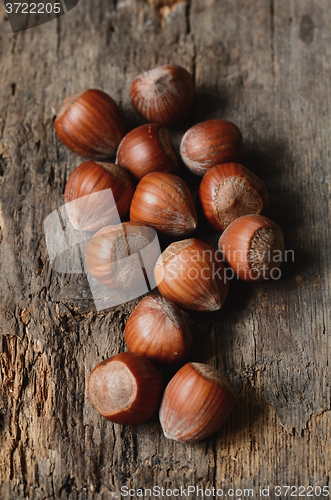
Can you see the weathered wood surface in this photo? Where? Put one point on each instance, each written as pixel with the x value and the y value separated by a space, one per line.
pixel 264 65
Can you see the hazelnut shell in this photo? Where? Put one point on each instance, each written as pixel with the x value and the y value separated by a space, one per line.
pixel 196 402
pixel 190 274
pixel 115 189
pixel 163 95
pixel 107 253
pixel 158 330
pixel 253 246
pixel 126 388
pixel 146 149
pixel 90 124
pixel 211 143
pixel 229 191
pixel 164 202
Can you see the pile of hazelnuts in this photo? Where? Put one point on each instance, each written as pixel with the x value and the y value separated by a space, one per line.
pixel 189 274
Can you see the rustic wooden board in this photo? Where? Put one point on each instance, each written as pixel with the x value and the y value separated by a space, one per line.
pixel 264 65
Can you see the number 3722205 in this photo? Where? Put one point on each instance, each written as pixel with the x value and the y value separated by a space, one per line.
pixel 33 8
pixel 302 491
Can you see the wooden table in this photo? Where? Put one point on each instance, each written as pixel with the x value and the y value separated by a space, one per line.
pixel 266 66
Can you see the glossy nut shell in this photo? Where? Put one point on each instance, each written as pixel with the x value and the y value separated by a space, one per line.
pixel 125 389
pixel 164 202
pixel 89 211
pixel 158 330
pixel 191 274
pixel 229 191
pixel 253 246
pixel 90 124
pixel 195 404
pixel 146 149
pixel 211 143
pixel 163 95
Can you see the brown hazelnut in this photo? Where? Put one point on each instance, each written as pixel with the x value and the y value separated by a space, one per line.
pixel 91 124
pixel 164 202
pixel 163 95
pixel 211 143
pixel 126 388
pixel 253 246
pixel 88 212
pixel 107 253
pixel 158 330
pixel 190 274
pixel 146 149
pixel 229 191
pixel 196 402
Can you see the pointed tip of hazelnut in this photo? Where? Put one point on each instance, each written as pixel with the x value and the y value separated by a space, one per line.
pixel 192 222
pixel 212 303
pixel 67 103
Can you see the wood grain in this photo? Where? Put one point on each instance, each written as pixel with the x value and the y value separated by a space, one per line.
pixel 264 65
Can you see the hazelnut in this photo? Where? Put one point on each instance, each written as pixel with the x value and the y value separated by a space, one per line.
pixel 125 389
pixel 146 149
pixel 164 202
pixel 90 124
pixel 107 253
pixel 211 143
pixel 190 274
pixel 229 191
pixel 88 212
pixel 158 330
pixel 253 246
pixel 196 402
pixel 163 95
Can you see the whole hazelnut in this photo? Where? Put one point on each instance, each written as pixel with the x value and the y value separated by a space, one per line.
pixel 164 202
pixel 90 124
pixel 229 191
pixel 163 95
pixel 158 330
pixel 190 274
pixel 211 143
pixel 126 388
pixel 146 149
pixel 89 211
pixel 107 253
pixel 196 402
pixel 253 246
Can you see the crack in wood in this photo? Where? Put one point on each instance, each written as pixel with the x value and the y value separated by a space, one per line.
pixel 188 17
pixel 272 38
pixel 1 226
